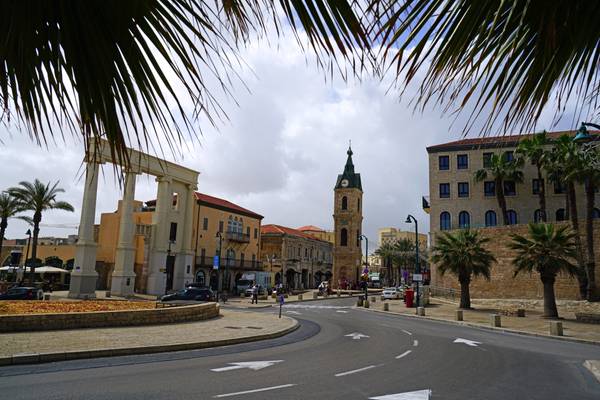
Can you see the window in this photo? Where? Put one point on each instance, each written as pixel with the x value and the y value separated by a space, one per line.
pixel 200 277
pixel 559 188
pixel 344 237
pixel 255 233
pixel 536 186
pixel 205 224
pixel 248 232
pixel 512 217
pixel 489 188
pixel 509 188
pixel 561 215
pixel 444 190
pixel 490 218
pixel 596 213
pixel 463 189
pixel 173 232
pixel 487 160
pixel 242 256
pixel 462 161
pixel 202 256
pixel 445 223
pixel 444 162
pixel 464 219
pixel 221 226
pixel 538 216
pixel 509 155
pixel 344 203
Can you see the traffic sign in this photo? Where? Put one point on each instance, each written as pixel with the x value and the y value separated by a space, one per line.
pixel 216 262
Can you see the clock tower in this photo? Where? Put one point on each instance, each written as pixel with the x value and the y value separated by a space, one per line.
pixel 347 220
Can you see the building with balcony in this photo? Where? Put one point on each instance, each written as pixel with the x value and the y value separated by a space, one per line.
pixel 297 259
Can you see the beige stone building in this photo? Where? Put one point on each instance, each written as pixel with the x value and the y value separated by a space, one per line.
pixel 295 258
pixel 391 235
pixel 328 236
pixel 347 217
pixel 457 201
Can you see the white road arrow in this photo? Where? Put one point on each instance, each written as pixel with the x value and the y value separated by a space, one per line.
pixel 253 365
pixel 356 335
pixel 468 342
pixel 416 395
pixel 342 311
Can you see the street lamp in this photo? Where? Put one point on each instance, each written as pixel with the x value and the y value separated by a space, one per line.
pixel 220 236
pixel 361 237
pixel 410 219
pixel 582 133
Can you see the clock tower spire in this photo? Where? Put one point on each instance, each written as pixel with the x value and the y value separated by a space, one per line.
pixel 347 219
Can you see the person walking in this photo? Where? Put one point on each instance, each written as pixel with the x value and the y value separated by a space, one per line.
pixel 254 294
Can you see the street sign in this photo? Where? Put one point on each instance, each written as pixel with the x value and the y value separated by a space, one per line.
pixel 216 262
pixel 417 277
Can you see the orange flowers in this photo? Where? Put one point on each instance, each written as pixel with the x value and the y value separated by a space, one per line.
pixel 45 307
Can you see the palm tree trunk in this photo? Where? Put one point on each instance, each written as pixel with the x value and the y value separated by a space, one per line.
pixel 550 310
pixel 590 194
pixel 3 225
pixel 37 218
pixel 465 295
pixel 501 200
pixel 542 194
pixel 581 270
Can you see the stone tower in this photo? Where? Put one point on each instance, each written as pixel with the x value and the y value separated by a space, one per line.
pixel 347 218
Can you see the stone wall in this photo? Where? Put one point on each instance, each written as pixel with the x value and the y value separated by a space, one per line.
pixel 524 285
pixel 102 319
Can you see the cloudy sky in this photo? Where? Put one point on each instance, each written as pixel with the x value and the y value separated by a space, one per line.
pixel 280 152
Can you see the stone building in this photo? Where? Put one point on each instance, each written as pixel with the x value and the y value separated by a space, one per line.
pixel 297 259
pixel 328 236
pixel 347 218
pixel 391 235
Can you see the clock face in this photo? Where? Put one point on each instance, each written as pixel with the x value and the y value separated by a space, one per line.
pixel 344 183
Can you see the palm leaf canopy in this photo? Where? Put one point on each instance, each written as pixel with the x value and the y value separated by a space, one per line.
pixel 501 168
pixel 9 206
pixel 534 148
pixel 505 57
pixel 39 197
pixel 546 250
pixel 112 68
pixel 462 253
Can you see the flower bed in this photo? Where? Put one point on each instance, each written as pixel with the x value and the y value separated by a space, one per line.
pixel 51 307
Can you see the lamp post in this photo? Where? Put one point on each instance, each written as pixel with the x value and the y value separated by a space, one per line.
pixel 28 233
pixel 410 219
pixel 361 237
pixel 220 236
pixel 582 133
pixel 169 264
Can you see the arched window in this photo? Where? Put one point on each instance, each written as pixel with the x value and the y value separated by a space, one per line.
pixel 344 203
pixel 200 277
pixel 445 223
pixel 561 215
pixel 464 219
pixel 512 217
pixel 230 224
pixel 537 216
pixel 344 237
pixel 596 213
pixel 490 218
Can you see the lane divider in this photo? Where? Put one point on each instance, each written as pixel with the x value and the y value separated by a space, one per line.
pixel 254 390
pixel 415 343
pixel 407 332
pixel 407 352
pixel 354 371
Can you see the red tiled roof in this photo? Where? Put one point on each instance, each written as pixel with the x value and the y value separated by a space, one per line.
pixel 489 141
pixel 310 228
pixel 278 229
pixel 218 203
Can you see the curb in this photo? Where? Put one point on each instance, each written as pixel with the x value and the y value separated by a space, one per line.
pixel 36 358
pixel 489 328
pixel 293 301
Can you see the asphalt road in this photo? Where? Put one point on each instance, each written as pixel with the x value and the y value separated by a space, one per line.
pixel 384 355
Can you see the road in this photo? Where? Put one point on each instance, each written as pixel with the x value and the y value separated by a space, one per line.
pixel 338 353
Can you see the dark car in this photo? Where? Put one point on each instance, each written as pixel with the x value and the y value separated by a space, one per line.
pixel 191 294
pixel 23 293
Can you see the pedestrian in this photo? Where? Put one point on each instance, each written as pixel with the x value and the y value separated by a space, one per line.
pixel 254 294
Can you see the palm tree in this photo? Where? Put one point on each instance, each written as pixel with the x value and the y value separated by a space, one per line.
pixel 501 169
pixel 462 253
pixel 38 198
pixel 534 149
pixel 389 257
pixel 548 251
pixel 9 208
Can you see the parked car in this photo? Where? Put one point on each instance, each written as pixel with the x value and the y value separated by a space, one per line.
pixel 391 293
pixel 191 294
pixel 23 293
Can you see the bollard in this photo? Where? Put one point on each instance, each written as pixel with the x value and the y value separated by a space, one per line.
pixel 366 304
pixel 386 307
pixel 359 302
pixel 339 293
pixel 556 328
pixel 495 320
pixel 107 294
pixel 421 311
pixel 459 315
pixel 315 295
pixel 373 298
pixel 46 297
pixel 520 312
pixel 300 297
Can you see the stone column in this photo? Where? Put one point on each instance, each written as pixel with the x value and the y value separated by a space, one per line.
pixel 157 277
pixel 184 267
pixel 84 275
pixel 123 277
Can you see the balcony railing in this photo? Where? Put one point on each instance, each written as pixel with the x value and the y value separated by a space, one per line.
pixel 237 237
pixel 230 263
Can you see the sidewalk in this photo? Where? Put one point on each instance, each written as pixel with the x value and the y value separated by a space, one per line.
pixel 532 323
pixel 231 328
pixel 245 302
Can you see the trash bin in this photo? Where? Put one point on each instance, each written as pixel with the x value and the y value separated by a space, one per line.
pixel 409 296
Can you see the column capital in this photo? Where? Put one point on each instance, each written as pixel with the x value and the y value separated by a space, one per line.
pixel 161 179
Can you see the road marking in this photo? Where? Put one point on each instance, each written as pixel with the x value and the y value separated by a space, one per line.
pixel 254 390
pixel 342 311
pixel 293 312
pixel 407 352
pixel 416 395
pixel 356 370
pixel 594 367
pixel 308 306
pixel 356 335
pixel 468 342
pixel 407 332
pixel 253 365
pixel 415 343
